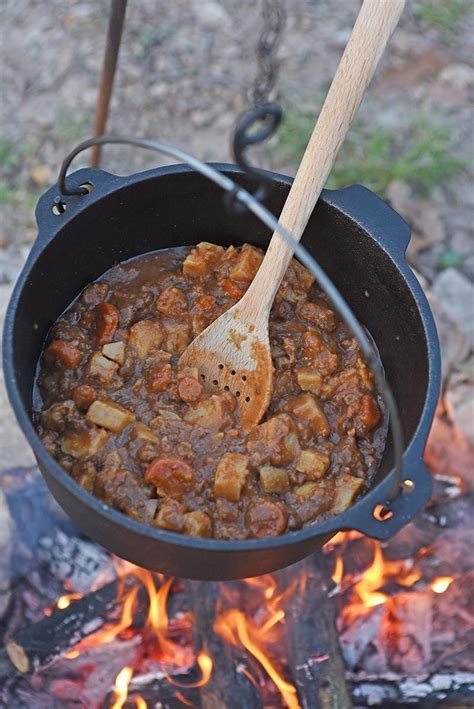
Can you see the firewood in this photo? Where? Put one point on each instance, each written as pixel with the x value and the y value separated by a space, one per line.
pixel 227 688
pixel 36 646
pixel 314 654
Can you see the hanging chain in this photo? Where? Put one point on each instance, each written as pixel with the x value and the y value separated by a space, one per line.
pixel 273 24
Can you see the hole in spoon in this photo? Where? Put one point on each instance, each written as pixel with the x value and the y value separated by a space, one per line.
pixel 221 366
pixel 237 393
pixel 214 382
pixel 247 399
pixel 233 372
pixel 244 378
pixel 203 376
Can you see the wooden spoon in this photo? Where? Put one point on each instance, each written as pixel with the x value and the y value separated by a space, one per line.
pixel 233 353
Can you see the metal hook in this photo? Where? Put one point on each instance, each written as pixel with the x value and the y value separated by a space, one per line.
pixel 254 126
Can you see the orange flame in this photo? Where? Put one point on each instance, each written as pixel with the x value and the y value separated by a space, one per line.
pixel 65 601
pixel 205 665
pixel 140 702
pixel 233 626
pixel 338 572
pixel 121 687
pixel 441 584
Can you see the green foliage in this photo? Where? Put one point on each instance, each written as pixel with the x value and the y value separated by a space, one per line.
pixel 7 195
pixel 8 156
pixel 443 13
pixel 419 156
pixel 450 258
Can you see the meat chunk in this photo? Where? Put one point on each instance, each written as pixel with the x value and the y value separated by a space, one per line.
pixel 361 415
pixel 317 312
pixel 106 321
pixel 274 479
pixel 177 337
pixel 265 518
pixel 230 476
pixel 274 441
pixel 313 463
pixel 171 477
pixel 171 516
pixel 65 352
pixel 197 524
pixel 83 396
pixel 109 415
pixel 114 351
pixel 101 368
pixel 145 336
pixel 172 303
pixel 58 415
pixel 247 264
pixel 318 354
pixel 189 389
pixel 310 414
pixel 85 443
pixel 158 377
pixel 121 489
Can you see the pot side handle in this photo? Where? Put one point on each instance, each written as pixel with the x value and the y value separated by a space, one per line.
pixel 55 210
pixel 374 216
pixel 416 491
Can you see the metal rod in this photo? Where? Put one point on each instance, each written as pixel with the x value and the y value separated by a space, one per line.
pixel 109 65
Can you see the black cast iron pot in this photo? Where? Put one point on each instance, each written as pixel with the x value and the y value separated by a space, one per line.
pixel 356 238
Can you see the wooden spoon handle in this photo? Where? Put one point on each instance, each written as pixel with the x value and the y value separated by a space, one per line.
pixel 374 25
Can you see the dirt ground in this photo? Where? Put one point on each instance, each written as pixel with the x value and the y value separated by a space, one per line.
pixel 186 70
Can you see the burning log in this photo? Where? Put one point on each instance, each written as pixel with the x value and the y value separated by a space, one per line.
pixel 38 645
pixel 227 688
pixel 314 654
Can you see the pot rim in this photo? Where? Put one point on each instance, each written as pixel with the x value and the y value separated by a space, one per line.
pixel 343 201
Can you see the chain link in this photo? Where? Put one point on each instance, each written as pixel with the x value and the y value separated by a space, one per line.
pixel 273 24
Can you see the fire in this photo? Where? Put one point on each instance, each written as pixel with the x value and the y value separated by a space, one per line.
pixel 441 584
pixel 121 687
pixel 206 665
pixel 235 628
pixel 338 572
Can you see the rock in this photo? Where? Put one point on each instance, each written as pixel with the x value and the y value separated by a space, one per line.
pixel 453 340
pixel 14 449
pixel 210 13
pixel 423 215
pixel 456 293
pixel 460 398
pixel 461 76
pixel 6 536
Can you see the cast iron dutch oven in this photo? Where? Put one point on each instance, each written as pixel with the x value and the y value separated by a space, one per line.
pixel 357 238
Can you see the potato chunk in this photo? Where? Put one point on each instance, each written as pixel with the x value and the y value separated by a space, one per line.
pixel 313 463
pixel 101 368
pixel 347 489
pixel 247 264
pixel 145 336
pixel 115 351
pixel 109 415
pixel 143 433
pixel 85 443
pixel 274 479
pixel 197 524
pixel 210 413
pixel 200 261
pixel 309 412
pixel 313 499
pixel 309 379
pixel 231 473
